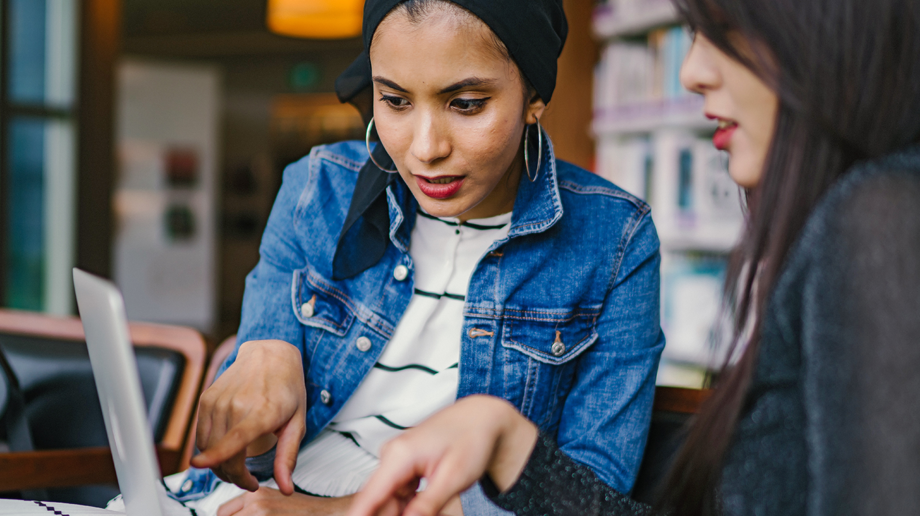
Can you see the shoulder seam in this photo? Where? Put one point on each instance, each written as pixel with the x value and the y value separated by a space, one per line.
pixel 603 190
pixel 324 154
pixel 632 228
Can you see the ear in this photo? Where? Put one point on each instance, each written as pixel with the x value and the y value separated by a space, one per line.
pixel 535 109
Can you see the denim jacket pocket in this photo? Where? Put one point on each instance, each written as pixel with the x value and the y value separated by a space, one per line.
pixel 549 338
pixel 319 305
pixel 540 367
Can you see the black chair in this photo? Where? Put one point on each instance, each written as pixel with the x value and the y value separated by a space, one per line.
pixel 672 410
pixel 48 364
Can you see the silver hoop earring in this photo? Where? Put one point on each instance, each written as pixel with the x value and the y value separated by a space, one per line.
pixel 536 173
pixel 367 142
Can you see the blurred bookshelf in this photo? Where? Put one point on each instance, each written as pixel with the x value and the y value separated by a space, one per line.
pixel 648 116
pixel 654 141
pixel 618 19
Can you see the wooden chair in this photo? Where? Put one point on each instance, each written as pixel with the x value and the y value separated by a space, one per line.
pixel 217 359
pixel 673 408
pixel 29 338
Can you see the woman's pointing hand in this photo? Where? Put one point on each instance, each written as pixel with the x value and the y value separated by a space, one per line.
pixel 258 402
pixel 451 451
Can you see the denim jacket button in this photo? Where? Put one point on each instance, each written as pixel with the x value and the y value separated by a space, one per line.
pixel 363 343
pixel 306 310
pixel 401 272
pixel 325 396
pixel 558 348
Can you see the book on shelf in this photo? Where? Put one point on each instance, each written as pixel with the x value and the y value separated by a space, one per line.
pixel 618 18
pixel 628 163
pixel 695 203
pixel 645 71
pixel 637 85
pixel 691 307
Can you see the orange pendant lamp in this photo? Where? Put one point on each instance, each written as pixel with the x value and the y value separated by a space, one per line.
pixel 317 19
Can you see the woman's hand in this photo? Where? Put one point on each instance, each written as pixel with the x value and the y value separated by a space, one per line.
pixel 258 401
pixel 267 501
pixel 451 450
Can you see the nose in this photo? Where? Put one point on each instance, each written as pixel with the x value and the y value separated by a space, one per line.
pixel 430 141
pixel 698 72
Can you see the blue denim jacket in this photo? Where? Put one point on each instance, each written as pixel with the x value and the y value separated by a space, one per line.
pixel 581 259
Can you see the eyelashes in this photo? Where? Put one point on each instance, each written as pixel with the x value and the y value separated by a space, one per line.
pixel 465 106
pixel 469 106
pixel 396 103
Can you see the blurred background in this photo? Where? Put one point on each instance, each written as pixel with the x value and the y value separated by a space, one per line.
pixel 144 141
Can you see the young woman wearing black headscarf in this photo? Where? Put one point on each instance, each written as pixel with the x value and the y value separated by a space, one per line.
pixel 457 256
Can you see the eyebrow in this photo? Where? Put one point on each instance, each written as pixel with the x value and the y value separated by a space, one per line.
pixel 465 83
pixel 390 84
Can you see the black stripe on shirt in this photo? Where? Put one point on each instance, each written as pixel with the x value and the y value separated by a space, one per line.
pixel 418 367
pixel 391 424
pixel 470 225
pixel 405 367
pixel 481 227
pixel 300 490
pixel 351 437
pixel 162 481
pixel 432 217
pixel 455 297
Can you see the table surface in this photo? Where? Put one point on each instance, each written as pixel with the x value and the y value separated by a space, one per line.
pixel 27 507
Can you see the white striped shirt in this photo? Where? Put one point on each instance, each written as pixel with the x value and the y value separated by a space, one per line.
pixel 417 374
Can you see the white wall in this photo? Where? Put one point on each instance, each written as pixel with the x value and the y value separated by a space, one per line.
pixel 163 107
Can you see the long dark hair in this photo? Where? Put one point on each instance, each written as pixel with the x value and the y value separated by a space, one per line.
pixel 847 75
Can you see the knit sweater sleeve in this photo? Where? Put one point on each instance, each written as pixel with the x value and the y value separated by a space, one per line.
pixel 861 349
pixel 554 484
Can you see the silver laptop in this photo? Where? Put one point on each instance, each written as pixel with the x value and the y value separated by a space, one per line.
pixel 105 324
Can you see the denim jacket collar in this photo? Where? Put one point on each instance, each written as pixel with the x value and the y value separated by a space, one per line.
pixel 401 202
pixel 537 206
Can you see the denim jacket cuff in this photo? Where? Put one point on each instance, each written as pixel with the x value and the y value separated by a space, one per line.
pixel 262 466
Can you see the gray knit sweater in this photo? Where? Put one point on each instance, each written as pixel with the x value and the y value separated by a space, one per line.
pixel 832 421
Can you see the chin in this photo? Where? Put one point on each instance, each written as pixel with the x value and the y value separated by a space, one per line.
pixel 744 174
pixel 443 209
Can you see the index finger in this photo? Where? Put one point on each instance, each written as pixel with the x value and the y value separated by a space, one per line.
pixel 235 472
pixel 445 483
pixel 232 443
pixel 382 487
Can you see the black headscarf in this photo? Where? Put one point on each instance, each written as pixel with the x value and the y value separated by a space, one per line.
pixel 534 31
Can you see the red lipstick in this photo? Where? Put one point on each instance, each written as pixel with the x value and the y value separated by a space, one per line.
pixel 439 190
pixel 723 136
